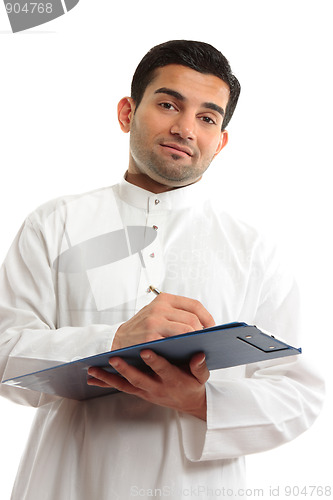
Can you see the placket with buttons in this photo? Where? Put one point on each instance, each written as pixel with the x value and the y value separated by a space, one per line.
pixel 154 270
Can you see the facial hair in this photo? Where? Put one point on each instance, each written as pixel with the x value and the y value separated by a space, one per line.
pixel 172 171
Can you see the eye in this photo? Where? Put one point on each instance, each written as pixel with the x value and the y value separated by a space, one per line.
pixel 167 105
pixel 208 119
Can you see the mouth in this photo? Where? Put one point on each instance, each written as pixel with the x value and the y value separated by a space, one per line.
pixel 176 149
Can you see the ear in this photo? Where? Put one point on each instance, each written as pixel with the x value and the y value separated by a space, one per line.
pixel 125 111
pixel 222 142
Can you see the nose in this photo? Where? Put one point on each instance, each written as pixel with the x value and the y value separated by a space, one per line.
pixel 184 126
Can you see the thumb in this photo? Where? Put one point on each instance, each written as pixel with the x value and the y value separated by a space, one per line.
pixel 199 368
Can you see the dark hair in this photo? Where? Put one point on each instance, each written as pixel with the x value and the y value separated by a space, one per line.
pixel 199 56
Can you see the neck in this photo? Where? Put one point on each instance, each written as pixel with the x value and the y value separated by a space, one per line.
pixel 145 182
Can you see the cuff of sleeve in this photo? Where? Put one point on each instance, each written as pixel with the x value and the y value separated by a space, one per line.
pixel 39 350
pixel 99 340
pixel 195 433
pixel 203 440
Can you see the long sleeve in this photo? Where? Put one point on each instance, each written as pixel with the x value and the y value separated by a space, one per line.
pixel 263 405
pixel 30 336
pixel 254 414
pixel 82 265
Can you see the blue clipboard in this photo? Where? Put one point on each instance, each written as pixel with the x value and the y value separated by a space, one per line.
pixel 225 346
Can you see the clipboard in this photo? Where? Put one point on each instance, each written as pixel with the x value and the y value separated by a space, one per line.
pixel 225 346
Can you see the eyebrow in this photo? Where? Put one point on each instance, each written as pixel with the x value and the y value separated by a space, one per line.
pixel 180 97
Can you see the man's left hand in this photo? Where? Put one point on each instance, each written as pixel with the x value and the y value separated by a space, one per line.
pixel 170 386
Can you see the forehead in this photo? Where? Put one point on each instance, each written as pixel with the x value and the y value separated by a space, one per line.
pixel 190 83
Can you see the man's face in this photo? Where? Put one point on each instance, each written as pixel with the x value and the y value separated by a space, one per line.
pixel 176 130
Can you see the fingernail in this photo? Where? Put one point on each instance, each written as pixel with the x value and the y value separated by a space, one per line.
pixel 145 355
pixel 114 363
pixel 202 361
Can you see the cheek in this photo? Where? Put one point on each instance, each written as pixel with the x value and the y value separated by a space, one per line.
pixel 155 123
pixel 208 146
pixel 149 123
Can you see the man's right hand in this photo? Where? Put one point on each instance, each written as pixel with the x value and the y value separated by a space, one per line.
pixel 165 316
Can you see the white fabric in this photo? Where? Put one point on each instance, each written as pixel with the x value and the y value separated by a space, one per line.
pixel 117 446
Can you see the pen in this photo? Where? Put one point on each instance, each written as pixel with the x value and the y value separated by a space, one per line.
pixel 155 290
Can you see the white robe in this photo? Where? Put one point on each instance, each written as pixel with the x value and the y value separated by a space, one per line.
pixel 77 270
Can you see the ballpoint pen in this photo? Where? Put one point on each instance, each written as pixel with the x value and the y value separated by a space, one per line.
pixel 155 290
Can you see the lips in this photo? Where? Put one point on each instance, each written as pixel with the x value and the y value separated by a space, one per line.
pixel 177 147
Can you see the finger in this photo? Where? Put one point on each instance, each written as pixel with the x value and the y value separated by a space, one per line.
pixel 103 378
pixel 190 320
pixel 190 305
pixel 199 368
pixel 165 370
pixel 168 320
pixel 162 327
pixel 135 377
pixel 98 383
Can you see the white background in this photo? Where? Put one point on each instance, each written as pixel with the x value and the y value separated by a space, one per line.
pixel 59 87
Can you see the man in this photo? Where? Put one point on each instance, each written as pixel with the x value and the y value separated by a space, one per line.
pixel 77 281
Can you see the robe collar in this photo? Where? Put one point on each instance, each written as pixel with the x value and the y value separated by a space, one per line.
pixel 170 200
